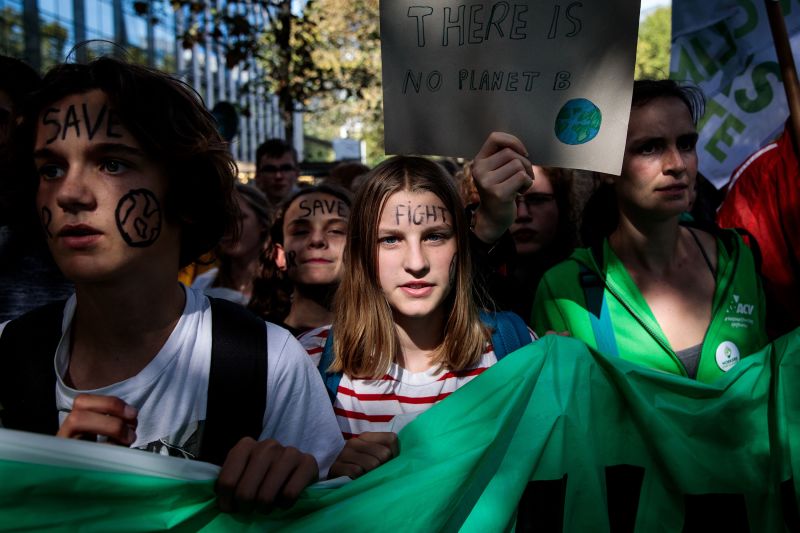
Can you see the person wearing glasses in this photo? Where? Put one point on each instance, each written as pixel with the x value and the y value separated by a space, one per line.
pixel 276 170
pixel 544 232
pixel 526 222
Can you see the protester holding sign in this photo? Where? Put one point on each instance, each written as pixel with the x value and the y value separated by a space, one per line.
pixel 135 358
pixel 676 298
pixel 407 329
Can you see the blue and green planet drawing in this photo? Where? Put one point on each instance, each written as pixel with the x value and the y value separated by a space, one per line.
pixel 578 122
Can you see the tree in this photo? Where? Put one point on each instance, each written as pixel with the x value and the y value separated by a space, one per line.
pixel 12 42
pixel 52 39
pixel 652 52
pixel 349 48
pixel 284 47
pixel 53 42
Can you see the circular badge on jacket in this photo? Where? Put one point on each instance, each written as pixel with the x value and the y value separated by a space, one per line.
pixel 727 356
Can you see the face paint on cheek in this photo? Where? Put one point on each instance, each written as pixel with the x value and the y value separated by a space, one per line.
pixel 138 217
pixel 291 260
pixel 453 270
pixel 47 219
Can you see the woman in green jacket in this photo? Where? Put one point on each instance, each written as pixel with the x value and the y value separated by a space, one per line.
pixel 655 291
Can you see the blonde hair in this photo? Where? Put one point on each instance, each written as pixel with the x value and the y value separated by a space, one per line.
pixel 365 342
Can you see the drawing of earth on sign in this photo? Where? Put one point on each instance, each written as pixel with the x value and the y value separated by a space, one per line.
pixel 578 122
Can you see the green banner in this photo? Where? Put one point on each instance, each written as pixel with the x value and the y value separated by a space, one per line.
pixel 593 444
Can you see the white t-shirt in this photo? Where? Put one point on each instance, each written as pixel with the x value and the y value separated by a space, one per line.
pixel 205 281
pixel 171 391
pixel 393 401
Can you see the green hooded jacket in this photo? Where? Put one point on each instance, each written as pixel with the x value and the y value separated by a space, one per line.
pixel 738 309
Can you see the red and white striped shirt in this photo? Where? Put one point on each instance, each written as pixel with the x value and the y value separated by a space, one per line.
pixel 397 398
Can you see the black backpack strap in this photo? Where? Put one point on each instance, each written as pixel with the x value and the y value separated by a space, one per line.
pixel 27 372
pixel 237 382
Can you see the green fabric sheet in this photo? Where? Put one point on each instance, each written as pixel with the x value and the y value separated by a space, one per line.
pixel 550 410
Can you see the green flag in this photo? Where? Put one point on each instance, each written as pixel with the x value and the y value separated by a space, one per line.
pixel 584 442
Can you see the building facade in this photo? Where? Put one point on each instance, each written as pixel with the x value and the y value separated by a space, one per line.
pixel 47 32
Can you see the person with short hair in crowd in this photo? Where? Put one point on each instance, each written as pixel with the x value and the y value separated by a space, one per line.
pixel 347 175
pixel 238 252
pixel 133 182
pixel 679 297
pixel 544 233
pixel 277 170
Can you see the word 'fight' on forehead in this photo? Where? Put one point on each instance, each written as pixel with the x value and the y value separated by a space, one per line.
pixel 419 214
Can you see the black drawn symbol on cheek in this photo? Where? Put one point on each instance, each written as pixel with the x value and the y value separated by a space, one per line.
pixel 453 263
pixel 47 219
pixel 291 260
pixel 139 218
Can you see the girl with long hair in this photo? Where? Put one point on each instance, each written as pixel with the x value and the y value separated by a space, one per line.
pixel 408 329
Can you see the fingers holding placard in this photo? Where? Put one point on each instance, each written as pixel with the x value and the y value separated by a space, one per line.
pixel 501 170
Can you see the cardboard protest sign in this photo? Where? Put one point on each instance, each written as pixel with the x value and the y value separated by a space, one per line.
pixel 726 48
pixel 557 74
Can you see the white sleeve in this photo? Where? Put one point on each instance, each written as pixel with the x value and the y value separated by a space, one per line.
pixel 299 412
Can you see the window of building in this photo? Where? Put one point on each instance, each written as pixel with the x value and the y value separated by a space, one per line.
pixel 56 31
pixel 164 49
pixel 12 37
pixel 99 19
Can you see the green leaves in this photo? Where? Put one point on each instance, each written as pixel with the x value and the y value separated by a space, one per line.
pixel 653 50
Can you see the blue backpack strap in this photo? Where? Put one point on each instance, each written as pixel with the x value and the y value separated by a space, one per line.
pixel 331 380
pixel 599 315
pixel 509 332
